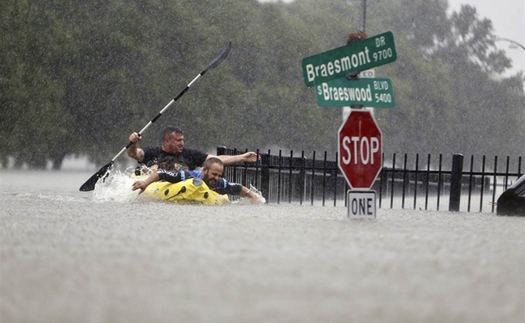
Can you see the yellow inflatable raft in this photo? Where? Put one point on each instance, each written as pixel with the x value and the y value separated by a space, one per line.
pixel 191 191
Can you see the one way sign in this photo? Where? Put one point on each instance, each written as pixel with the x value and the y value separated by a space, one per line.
pixel 361 204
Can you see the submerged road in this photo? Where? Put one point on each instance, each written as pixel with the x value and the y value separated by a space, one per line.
pixel 66 256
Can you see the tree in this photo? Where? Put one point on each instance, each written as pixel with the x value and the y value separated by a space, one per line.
pixel 78 77
pixel 448 92
pixel 33 121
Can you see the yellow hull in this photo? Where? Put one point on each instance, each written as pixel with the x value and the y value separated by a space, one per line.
pixel 191 191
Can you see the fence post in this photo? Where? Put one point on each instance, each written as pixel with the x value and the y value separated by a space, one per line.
pixel 265 176
pixel 301 187
pixel 455 182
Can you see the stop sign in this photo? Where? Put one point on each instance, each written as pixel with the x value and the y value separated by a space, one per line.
pixel 360 149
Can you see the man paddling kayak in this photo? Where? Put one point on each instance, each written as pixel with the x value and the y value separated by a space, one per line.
pixel 173 148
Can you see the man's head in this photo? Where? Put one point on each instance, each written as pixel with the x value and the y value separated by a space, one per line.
pixel 212 170
pixel 172 140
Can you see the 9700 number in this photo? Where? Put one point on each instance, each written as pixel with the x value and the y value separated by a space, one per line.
pixel 382 54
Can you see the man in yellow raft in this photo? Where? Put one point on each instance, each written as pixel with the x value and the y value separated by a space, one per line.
pixel 211 175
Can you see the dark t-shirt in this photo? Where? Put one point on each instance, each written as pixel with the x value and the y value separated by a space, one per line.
pixel 188 159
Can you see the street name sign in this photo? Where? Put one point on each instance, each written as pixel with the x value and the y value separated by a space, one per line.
pixel 371 73
pixel 375 93
pixel 355 57
pixel 360 149
pixel 361 204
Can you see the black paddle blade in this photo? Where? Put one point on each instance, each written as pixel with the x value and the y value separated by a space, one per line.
pixel 89 185
pixel 219 59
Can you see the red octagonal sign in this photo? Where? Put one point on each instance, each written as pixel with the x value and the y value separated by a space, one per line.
pixel 360 149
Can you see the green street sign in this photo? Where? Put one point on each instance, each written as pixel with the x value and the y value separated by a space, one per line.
pixel 355 57
pixel 375 93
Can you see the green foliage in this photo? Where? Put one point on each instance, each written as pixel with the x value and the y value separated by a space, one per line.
pixel 451 99
pixel 77 77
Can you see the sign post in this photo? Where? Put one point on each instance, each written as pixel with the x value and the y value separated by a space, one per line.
pixel 360 159
pixel 335 76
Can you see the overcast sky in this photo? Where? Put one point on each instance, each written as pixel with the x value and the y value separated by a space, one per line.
pixel 508 20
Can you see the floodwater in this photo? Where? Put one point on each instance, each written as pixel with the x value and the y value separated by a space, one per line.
pixel 106 256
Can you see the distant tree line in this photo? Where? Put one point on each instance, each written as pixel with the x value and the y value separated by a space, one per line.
pixel 78 77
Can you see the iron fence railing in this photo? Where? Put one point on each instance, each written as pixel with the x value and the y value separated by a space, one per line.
pixel 410 181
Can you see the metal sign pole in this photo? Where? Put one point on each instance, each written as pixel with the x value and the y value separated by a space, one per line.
pixel 363 15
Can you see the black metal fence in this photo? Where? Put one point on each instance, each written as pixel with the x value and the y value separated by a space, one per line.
pixel 405 182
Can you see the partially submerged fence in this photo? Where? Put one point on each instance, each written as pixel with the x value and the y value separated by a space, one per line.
pixel 412 182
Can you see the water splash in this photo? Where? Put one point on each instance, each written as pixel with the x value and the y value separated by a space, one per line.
pixel 253 189
pixel 115 188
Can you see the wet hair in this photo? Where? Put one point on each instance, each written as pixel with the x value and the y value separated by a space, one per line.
pixel 212 160
pixel 170 129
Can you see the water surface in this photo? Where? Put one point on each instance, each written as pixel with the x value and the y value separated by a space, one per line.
pixel 106 256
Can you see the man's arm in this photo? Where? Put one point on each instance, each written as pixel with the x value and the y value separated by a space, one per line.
pixel 165 175
pixel 225 187
pixel 249 157
pixel 134 151
pixel 255 198
pixel 142 184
